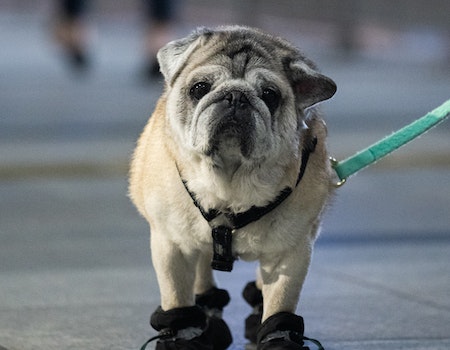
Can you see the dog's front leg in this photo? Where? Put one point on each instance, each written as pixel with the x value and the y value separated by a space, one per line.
pixel 188 321
pixel 282 278
pixel 175 271
pixel 204 279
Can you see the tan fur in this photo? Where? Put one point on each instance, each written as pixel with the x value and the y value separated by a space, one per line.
pixel 181 240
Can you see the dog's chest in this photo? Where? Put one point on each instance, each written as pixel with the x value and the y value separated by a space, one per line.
pixel 264 238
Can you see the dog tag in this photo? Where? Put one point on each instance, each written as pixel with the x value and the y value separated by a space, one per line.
pixel 222 240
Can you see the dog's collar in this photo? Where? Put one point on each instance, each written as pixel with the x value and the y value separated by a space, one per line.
pixel 224 223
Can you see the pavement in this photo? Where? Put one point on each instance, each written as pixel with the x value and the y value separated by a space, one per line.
pixel 75 270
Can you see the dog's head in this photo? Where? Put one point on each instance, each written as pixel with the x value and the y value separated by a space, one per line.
pixel 237 95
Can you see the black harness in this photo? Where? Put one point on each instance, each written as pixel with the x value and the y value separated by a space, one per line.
pixel 224 223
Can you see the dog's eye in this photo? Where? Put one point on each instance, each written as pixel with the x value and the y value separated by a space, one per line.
pixel 271 98
pixel 199 90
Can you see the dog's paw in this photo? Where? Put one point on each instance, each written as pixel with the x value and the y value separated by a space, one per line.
pixel 282 331
pixel 184 328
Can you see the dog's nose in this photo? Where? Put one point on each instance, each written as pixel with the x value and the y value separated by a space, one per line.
pixel 237 99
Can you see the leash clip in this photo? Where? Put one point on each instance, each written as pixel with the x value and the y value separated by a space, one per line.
pixel 334 164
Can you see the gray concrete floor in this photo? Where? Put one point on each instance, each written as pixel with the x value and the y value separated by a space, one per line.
pixel 75 269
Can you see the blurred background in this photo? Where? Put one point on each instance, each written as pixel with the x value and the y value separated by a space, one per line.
pixel 77 85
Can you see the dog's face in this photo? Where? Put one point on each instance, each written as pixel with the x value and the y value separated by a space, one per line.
pixel 236 95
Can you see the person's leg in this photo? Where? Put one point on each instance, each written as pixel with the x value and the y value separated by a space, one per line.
pixel 159 16
pixel 71 30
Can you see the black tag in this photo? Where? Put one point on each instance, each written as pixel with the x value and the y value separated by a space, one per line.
pixel 223 257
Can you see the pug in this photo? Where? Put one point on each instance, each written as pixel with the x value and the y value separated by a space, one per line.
pixel 232 165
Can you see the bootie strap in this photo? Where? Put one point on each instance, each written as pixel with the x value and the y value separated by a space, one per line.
pixel 283 331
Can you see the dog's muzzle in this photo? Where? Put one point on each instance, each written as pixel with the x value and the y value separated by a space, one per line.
pixel 235 123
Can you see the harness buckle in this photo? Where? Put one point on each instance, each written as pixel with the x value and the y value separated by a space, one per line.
pixel 222 242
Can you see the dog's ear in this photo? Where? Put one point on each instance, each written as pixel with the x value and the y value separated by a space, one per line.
pixel 310 87
pixel 173 56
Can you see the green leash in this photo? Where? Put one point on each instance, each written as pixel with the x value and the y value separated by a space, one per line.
pixel 390 143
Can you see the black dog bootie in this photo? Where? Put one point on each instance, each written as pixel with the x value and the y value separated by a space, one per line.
pixel 181 329
pixel 253 296
pixel 283 331
pixel 212 303
pixel 197 327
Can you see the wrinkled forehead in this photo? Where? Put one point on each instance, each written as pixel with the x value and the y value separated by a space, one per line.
pixel 240 55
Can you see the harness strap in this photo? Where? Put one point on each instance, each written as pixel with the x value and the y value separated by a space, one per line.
pixel 238 220
pixel 224 223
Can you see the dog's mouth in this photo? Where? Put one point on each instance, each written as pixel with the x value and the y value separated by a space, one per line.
pixel 232 137
pixel 231 129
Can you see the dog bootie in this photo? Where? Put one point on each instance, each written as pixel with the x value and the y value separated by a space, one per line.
pixel 182 328
pixel 253 296
pixel 212 303
pixel 282 331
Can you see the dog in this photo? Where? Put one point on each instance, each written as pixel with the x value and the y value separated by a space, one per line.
pixel 232 164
